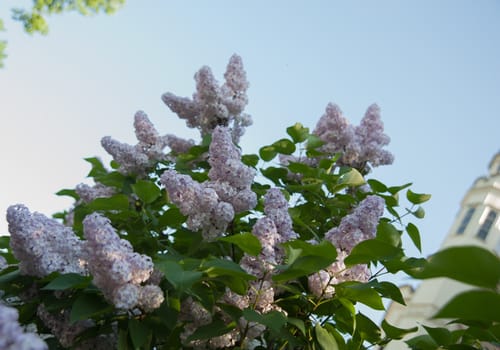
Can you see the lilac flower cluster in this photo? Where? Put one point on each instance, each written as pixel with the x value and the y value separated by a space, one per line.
pixel 359 145
pixel 116 269
pixel 211 206
pixel 89 193
pixel 43 245
pixel 354 228
pixel 137 159
pixel 214 105
pixel 12 336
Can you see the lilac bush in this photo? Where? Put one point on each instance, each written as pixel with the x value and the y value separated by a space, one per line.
pixel 193 245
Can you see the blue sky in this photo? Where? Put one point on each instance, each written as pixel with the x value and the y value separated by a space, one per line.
pixel 432 66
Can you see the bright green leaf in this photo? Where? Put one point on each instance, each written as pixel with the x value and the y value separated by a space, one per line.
pixel 116 202
pixel 377 186
pixel 267 153
pixel 314 142
pixel 177 276
pixel 371 250
pixel 298 132
pixel 414 234
pixel 417 198
pixel 387 233
pixel 98 168
pixel 351 178
pixel 284 146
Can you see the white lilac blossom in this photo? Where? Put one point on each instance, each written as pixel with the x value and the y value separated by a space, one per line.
pixel 276 208
pixel 43 245
pixel 138 158
pixel 200 203
pixel 88 193
pixel 360 146
pixel 117 270
pixel 214 105
pixel 230 178
pixel 12 335
pixel 354 228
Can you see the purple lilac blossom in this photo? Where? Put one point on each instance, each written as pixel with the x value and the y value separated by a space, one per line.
pixel 354 228
pixel 137 159
pixel 117 270
pixel 360 146
pixel 214 105
pixel 43 245
pixel 12 335
pixel 89 193
pixel 178 144
pixel 230 178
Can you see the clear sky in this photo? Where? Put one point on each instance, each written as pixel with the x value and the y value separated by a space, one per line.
pixel 432 66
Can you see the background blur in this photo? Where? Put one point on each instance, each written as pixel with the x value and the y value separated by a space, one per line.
pixel 433 68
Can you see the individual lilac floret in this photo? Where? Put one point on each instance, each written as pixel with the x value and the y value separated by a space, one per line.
pixel 214 105
pixel 359 225
pixel 230 178
pixel 137 159
pixel 116 269
pixel 89 193
pixel 12 335
pixel 43 245
pixel 201 204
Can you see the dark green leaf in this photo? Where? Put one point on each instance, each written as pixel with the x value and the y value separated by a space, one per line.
pixel 298 132
pixel 212 330
pixel 87 306
pixel 139 333
pixel 176 275
pixel 356 291
pixel 371 250
pixel 273 319
pixel 298 323
pixel 396 189
pixel 221 267
pixel 69 193
pixel 389 290
pixel 275 174
pixel 393 332
pixel 268 153
pixel 441 336
pixel 172 218
pixel 422 342
pixel 468 264
pixel 414 235
pixel 477 305
pixel 250 160
pixel 367 329
pixel 387 233
pixel 116 202
pixel 417 198
pixel 325 339
pixel 284 146
pixel 246 242
pixel 98 168
pixel 66 281
pixel 377 186
pixel 147 191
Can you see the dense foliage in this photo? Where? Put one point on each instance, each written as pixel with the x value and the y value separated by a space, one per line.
pixel 205 247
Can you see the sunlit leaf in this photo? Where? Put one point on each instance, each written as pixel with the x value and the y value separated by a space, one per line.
pixel 298 132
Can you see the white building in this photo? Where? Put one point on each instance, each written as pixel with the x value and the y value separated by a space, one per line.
pixel 477 223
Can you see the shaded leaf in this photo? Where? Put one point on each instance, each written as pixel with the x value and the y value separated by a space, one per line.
pixel 394 332
pixel 325 339
pixel 116 202
pixel 88 305
pixel 139 333
pixel 246 242
pixel 478 305
pixel 214 329
pixel 66 281
pixel 371 250
pixel 177 276
pixel 147 191
pixel 273 319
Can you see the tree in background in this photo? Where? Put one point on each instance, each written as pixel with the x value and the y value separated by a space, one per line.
pixel 34 20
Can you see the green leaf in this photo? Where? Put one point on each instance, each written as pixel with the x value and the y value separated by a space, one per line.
pixel 298 132
pixel 246 242
pixel 422 342
pixel 307 259
pixel 116 202
pixel 314 142
pixel 468 264
pixel 67 281
pixel 222 267
pixel 250 160
pixel 417 198
pixel 325 339
pixel 139 333
pixel 371 250
pixel 273 320
pixel 177 276
pixel 414 234
pixel 477 305
pixel 69 193
pixel 441 336
pixel 275 174
pixel 389 290
pixel 212 330
pixel 386 232
pixel 98 168
pixel 86 306
pixel 351 178
pixel 298 323
pixel 377 186
pixel 268 153
pixel 147 191
pixel 367 329
pixel 396 189
pixel 361 292
pixel 393 332
pixel 284 146
pixel 172 218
